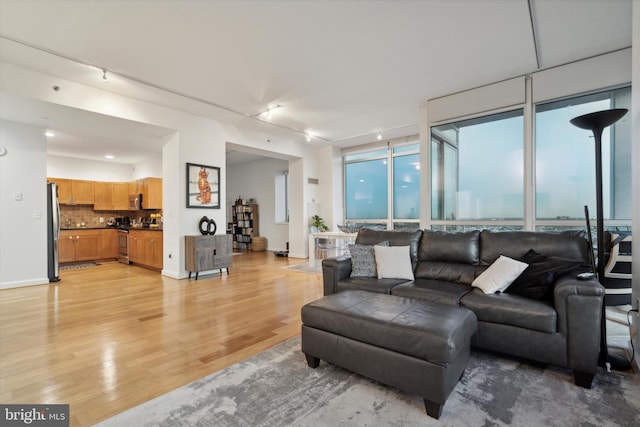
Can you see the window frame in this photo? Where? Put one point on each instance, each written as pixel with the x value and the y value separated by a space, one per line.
pixel 389 146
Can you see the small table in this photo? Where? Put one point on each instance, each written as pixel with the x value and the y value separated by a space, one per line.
pixel 338 236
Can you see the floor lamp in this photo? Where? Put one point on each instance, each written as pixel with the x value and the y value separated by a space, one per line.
pixel 596 122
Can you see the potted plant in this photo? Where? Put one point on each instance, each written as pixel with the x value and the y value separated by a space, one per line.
pixel 317 224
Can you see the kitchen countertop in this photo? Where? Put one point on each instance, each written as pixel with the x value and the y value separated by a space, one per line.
pixel 112 228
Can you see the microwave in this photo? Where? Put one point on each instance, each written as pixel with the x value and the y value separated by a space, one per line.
pixel 135 202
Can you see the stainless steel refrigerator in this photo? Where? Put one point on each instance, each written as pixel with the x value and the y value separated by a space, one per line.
pixel 53 231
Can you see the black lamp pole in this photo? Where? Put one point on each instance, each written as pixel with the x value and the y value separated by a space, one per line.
pixel 596 122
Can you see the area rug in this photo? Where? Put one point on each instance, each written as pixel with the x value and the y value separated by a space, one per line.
pixel 277 388
pixel 307 267
pixel 81 265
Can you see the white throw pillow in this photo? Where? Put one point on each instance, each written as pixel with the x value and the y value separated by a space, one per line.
pixel 499 275
pixel 393 262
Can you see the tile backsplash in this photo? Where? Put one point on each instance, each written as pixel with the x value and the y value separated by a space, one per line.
pixel 85 213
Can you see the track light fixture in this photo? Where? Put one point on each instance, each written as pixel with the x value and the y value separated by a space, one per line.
pixel 104 76
pixel 266 113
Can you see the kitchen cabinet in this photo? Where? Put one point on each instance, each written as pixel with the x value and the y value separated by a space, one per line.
pixel 74 191
pixel 79 245
pixel 208 252
pixel 109 247
pixel 111 196
pixel 152 193
pixel 134 187
pixel 103 196
pixel 145 248
pixel 120 196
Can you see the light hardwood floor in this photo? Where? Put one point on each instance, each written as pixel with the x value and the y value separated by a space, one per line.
pixel 110 337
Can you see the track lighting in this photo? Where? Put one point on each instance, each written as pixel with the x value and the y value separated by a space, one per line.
pixel 308 137
pixel 268 111
pixel 104 76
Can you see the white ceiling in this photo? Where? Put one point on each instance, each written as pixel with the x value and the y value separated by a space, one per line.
pixel 342 70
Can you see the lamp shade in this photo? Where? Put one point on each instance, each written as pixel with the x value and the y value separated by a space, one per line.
pixel 599 119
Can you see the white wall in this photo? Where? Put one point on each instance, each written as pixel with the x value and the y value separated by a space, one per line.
pixel 66 167
pixel 23 246
pixel 151 167
pixel 256 180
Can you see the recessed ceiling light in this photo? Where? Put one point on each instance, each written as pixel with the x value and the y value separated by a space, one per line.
pixel 109 156
pixel 49 134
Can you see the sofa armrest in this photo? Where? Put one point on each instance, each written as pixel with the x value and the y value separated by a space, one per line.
pixel 333 270
pixel 579 307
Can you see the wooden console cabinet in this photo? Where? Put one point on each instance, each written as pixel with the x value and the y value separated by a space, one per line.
pixel 206 252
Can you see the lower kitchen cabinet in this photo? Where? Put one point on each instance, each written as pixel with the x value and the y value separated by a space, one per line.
pixel 145 248
pixel 79 245
pixel 109 243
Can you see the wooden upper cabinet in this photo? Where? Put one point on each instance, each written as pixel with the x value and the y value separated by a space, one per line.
pixel 111 196
pixel 82 192
pixel 134 187
pixel 152 193
pixel 120 196
pixel 103 196
pixel 65 195
pixel 74 191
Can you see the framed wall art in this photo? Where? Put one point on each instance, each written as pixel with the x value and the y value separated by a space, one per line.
pixel 203 186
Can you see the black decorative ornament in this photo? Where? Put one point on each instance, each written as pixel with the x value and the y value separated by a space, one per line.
pixel 210 224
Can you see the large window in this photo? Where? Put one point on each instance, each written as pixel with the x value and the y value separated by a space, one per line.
pixel 477 169
pixel 366 177
pixel 373 199
pixel 282 197
pixel 565 161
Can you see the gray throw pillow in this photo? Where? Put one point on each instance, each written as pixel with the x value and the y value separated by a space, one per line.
pixel 363 260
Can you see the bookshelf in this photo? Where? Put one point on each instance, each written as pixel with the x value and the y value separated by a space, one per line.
pixel 245 227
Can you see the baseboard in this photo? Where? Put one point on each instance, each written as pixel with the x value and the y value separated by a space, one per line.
pixel 22 283
pixel 293 255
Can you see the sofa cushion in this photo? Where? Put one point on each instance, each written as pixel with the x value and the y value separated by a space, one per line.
pixel 515 244
pixel 445 271
pixel 367 236
pixel 536 282
pixel 371 284
pixel 463 248
pixel 393 262
pixel 499 275
pixel 450 257
pixel 512 310
pixel 363 261
pixel 436 291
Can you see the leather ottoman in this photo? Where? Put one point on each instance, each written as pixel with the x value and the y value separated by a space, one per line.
pixel 417 346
